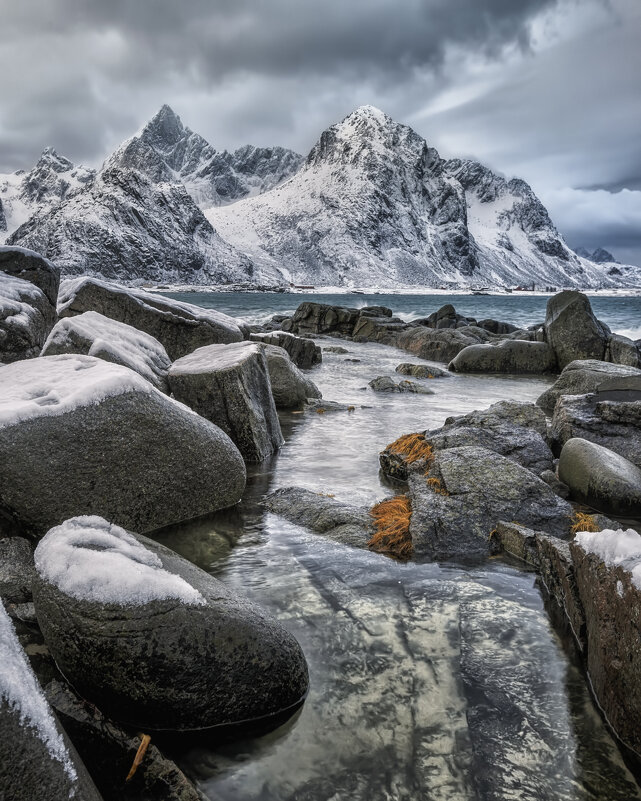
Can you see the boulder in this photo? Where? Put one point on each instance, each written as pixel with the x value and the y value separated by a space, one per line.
pixel 436 345
pixel 608 576
pixel 290 388
pixel 572 330
pixel 180 327
pixel 377 329
pixel 93 334
pixel 16 570
pixel 229 385
pixel 154 641
pixel 467 491
pixel 582 376
pixel 37 760
pixel 622 350
pixel 601 478
pixel 421 370
pixel 386 384
pixel 82 436
pixel 615 425
pixel 350 525
pixel 322 318
pixel 26 317
pixel 510 356
pixel 304 353
pixel 31 266
pixel 497 327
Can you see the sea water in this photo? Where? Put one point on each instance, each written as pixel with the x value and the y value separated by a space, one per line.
pixel 435 681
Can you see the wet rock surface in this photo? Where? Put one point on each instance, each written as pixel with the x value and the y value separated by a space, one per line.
pixel 421 370
pixel 510 356
pixel 387 384
pixel 580 377
pixel 304 353
pixel 601 478
pixel 290 387
pixel 572 330
pixel 230 386
pixel 206 658
pixel 439 345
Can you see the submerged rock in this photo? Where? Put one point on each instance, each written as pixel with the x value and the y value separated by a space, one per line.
pixel 351 525
pixel 36 758
pixel 580 377
pixel 386 384
pixel 572 330
pixel 154 641
pixel 601 478
pixel 93 334
pixel 83 436
pixel 511 356
pixel 290 387
pixel 437 345
pixel 467 491
pixel 230 385
pixel 421 370
pixel 180 327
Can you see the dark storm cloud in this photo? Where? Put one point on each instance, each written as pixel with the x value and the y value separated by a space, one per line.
pixel 104 54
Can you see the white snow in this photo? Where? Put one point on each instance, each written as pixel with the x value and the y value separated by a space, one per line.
pixel 211 358
pixel 616 548
pixel 93 560
pixel 54 385
pixel 20 689
pixel 114 341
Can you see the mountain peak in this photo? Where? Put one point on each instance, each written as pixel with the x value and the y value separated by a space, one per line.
pixel 164 128
pixel 49 158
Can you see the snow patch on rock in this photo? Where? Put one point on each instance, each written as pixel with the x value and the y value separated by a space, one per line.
pixel 620 548
pixel 20 689
pixel 93 560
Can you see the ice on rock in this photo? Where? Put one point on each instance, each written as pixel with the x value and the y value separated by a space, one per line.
pixel 92 560
pixel 20 689
pixel 620 548
pixel 53 385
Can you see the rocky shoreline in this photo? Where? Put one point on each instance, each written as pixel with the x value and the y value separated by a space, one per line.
pixel 122 412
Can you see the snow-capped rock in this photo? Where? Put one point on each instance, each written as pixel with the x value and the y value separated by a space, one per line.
pixel 53 179
pixel 375 205
pixel 166 151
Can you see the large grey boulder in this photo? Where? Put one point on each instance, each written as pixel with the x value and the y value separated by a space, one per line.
pixel 16 570
pixel 350 525
pixel 31 266
pixel 230 385
pixel 290 388
pixel 622 350
pixel 510 356
pixel 582 376
pixel 607 565
pixel 613 424
pixel 82 436
pixel 180 327
pixel 572 330
pixel 154 641
pixel 93 334
pixel 37 761
pixel 383 383
pixel 322 318
pixel 26 317
pixel 440 345
pixel 304 353
pixel 601 478
pixel 467 492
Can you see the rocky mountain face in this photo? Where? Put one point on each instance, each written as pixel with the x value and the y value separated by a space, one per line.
pixel 53 179
pixel 374 205
pixel 165 150
pixel 371 205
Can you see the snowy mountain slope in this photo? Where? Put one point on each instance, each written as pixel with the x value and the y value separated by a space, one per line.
pixel 52 179
pixel 166 151
pixel 374 205
pixel 123 226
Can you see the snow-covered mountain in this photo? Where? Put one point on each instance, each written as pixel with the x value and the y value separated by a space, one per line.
pixel 375 205
pixel 372 205
pixel 166 151
pixel 22 193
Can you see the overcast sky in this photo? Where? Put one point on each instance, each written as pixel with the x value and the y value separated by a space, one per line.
pixel 548 90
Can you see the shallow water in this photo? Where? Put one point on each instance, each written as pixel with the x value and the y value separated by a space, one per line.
pixel 427 681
